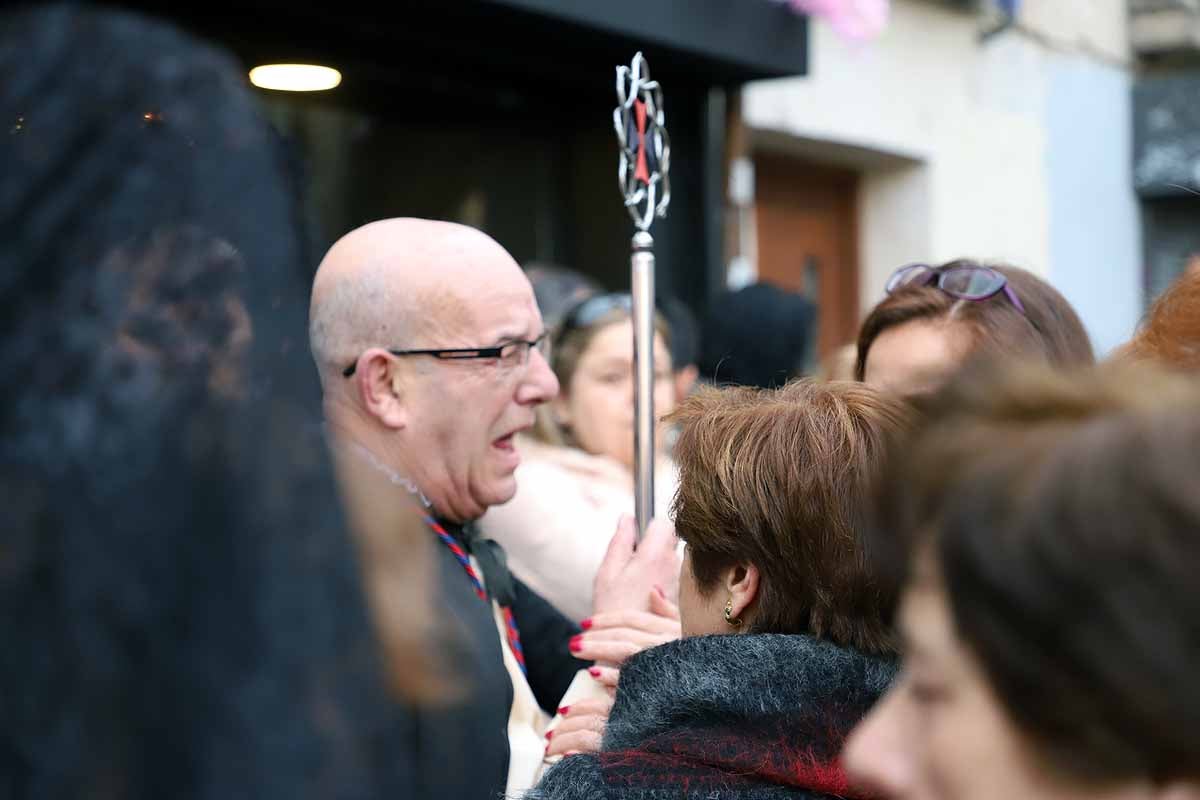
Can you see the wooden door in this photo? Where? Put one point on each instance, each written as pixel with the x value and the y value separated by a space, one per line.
pixel 806 221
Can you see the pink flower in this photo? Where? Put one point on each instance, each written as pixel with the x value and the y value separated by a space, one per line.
pixel 856 20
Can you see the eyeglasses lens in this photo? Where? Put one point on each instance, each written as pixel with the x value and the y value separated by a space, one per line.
pixel 971 284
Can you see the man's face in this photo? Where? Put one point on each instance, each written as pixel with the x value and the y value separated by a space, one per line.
pixel 463 413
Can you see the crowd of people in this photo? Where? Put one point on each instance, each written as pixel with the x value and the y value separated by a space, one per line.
pixel 963 570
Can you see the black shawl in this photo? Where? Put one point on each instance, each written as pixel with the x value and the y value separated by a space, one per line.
pixel 737 716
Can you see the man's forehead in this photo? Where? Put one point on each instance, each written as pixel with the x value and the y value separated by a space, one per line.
pixel 446 304
pixel 477 310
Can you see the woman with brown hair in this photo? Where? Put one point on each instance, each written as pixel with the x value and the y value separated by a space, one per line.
pixel 785 641
pixel 1047 529
pixel 935 319
pixel 576 472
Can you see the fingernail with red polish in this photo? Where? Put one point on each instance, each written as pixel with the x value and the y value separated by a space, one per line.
pixel 586 624
pixel 575 644
pixel 594 672
pixel 548 735
pixel 563 710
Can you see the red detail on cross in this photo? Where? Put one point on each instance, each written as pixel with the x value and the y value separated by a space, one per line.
pixel 641 172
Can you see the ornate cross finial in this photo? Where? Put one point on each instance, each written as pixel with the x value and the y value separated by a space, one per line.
pixel 645 147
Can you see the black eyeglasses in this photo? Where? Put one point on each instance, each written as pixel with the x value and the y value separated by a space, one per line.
pixel 509 354
pixel 966 282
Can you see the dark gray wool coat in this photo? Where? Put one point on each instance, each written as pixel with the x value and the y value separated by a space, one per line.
pixel 727 717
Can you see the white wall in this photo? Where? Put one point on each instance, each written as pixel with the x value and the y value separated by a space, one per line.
pixel 1095 239
pixel 959 145
pixel 1096 28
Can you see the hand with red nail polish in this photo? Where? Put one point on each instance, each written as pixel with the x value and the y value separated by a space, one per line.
pixel 614 636
pixel 608 677
pixel 631 569
pixel 581 728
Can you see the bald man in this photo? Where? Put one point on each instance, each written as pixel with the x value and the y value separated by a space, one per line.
pixel 414 323
pixel 431 353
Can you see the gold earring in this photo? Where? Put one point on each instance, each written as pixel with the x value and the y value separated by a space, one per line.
pixel 733 623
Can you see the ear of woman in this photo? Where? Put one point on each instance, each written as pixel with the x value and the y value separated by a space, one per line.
pixel 741 585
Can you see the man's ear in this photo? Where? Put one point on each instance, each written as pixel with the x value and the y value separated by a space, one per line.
pixel 741 584
pixel 381 386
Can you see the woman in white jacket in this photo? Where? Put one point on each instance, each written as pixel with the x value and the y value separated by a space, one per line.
pixel 576 474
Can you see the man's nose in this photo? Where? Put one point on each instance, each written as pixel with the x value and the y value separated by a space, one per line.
pixel 539 383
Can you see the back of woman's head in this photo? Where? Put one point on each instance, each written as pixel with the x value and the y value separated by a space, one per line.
pixel 180 603
pixel 758 335
pixel 1045 327
pixel 558 289
pixel 1170 334
pixel 1062 512
pixel 780 479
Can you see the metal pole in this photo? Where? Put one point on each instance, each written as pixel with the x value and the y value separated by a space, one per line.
pixel 642 264
pixel 642 174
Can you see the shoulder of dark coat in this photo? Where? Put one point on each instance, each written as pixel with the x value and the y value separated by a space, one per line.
pixel 735 677
pixel 581 778
pixel 573 778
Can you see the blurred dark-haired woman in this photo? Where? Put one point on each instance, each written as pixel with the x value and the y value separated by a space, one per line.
pixel 1047 530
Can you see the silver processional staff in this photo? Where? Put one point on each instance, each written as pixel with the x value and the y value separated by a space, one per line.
pixel 645 159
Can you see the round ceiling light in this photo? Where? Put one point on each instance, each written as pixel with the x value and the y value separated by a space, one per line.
pixel 295 77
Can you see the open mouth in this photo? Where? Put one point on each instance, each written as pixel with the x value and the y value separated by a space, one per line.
pixel 504 442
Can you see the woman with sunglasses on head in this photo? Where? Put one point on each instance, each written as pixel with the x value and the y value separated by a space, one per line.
pixel 576 473
pixel 935 319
